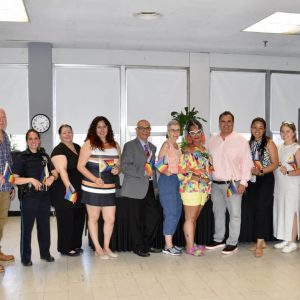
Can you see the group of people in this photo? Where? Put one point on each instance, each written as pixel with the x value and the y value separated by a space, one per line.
pixel 188 174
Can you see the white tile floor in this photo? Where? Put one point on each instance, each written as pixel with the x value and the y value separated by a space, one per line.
pixel 214 276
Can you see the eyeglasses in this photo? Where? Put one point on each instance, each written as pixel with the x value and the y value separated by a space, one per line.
pixel 193 133
pixel 144 128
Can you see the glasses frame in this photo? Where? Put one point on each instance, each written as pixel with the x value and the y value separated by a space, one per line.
pixel 193 133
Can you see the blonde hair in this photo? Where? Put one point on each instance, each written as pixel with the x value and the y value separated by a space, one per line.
pixel 292 126
pixel 171 123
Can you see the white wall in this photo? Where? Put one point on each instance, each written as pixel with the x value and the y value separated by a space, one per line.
pixel 199 65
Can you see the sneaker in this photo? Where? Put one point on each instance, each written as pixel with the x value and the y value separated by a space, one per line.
pixel 172 251
pixel 179 248
pixel 215 245
pixel 290 247
pixel 281 245
pixel 229 249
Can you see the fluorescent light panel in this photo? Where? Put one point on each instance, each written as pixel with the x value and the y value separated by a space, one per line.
pixel 279 22
pixel 13 11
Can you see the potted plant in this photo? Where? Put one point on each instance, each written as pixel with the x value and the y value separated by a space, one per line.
pixel 184 117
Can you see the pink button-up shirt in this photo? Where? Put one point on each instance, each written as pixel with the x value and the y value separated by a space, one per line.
pixel 231 158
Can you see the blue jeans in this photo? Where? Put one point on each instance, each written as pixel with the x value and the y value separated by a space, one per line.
pixel 168 187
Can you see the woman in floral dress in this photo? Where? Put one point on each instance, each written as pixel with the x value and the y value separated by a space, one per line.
pixel 194 176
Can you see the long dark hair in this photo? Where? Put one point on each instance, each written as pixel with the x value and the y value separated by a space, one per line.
pixel 264 140
pixel 94 138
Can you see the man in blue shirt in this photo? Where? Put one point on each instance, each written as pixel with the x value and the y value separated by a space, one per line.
pixel 5 188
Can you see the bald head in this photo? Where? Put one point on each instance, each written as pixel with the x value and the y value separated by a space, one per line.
pixel 2 119
pixel 143 129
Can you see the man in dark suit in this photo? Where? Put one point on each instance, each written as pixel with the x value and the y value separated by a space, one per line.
pixel 139 189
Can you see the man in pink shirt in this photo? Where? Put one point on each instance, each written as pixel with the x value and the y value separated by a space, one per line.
pixel 232 164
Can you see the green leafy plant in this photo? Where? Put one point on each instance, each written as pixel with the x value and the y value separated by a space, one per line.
pixel 184 116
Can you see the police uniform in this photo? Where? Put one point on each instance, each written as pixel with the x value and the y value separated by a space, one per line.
pixel 35 205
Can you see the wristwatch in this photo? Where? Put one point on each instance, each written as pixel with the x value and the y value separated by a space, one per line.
pixel 287 172
pixel 261 172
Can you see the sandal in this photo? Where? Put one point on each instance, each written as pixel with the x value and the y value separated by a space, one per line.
pixel 253 248
pixel 195 251
pixel 201 247
pixel 258 252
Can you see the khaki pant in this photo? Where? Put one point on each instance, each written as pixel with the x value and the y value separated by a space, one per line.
pixel 4 206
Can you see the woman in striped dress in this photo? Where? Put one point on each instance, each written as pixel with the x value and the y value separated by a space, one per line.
pixel 99 163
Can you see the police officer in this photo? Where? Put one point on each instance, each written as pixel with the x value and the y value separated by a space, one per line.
pixel 34 174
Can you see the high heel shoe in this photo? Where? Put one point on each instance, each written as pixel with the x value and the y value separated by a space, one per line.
pixel 101 256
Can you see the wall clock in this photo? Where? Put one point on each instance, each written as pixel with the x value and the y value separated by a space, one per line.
pixel 41 123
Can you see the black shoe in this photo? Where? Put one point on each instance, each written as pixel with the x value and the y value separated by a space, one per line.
pixel 79 250
pixel 71 253
pixel 214 245
pixel 229 249
pixel 141 253
pixel 48 258
pixel 27 263
pixel 155 250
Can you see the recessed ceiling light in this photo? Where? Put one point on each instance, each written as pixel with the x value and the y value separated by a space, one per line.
pixel 279 22
pixel 147 15
pixel 13 11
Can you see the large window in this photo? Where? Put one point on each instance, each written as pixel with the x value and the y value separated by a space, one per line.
pixel 14 100
pixel 123 94
pixel 242 93
pixel 153 94
pixel 84 92
pixel 285 101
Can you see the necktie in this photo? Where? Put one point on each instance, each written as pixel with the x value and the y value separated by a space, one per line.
pixel 146 148
pixel 148 167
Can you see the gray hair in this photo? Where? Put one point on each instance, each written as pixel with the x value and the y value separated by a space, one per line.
pixel 172 122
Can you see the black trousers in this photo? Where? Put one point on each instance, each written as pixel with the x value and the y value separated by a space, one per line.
pixel 144 220
pixel 261 194
pixel 70 225
pixel 35 206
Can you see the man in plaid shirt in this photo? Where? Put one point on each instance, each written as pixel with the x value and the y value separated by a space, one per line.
pixel 5 188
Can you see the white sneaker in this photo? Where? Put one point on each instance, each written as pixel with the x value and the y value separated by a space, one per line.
pixel 290 247
pixel 281 245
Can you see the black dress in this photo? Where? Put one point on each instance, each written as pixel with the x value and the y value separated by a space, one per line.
pixel 70 217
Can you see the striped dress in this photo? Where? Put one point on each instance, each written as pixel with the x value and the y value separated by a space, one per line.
pixel 100 164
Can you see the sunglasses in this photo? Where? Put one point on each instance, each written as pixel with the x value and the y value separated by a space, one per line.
pixel 287 123
pixel 193 133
